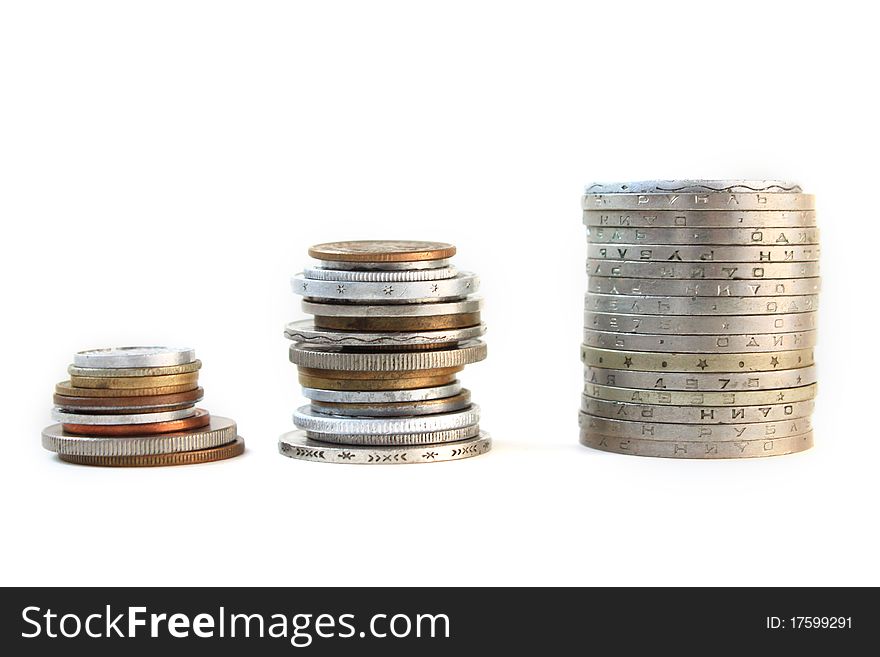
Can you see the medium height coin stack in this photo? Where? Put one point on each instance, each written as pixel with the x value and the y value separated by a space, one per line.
pixel 700 318
pixel 135 406
pixel 394 323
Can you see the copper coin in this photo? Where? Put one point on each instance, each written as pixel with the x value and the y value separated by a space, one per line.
pixel 391 324
pixel 308 381
pixel 228 451
pixel 136 382
pixel 200 419
pixel 382 251
pixel 123 404
pixel 65 388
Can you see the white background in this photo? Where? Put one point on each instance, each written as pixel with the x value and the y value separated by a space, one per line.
pixel 165 165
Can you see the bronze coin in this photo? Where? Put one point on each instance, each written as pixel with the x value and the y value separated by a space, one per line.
pixel 68 390
pixel 135 382
pixel 321 383
pixel 201 419
pixel 398 324
pixel 228 451
pixel 117 372
pixel 382 251
pixel 129 404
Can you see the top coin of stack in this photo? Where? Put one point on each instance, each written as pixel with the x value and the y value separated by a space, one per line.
pixel 135 406
pixel 394 322
pixel 700 318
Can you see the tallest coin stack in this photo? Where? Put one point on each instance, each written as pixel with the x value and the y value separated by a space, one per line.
pixel 700 318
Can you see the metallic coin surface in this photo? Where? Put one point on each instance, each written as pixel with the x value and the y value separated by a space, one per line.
pixel 698 382
pixel 305 418
pixel 413 265
pixel 117 372
pixel 422 438
pixel 694 186
pixel 686 398
pixel 382 396
pixel 324 383
pixel 699 218
pixel 700 201
pixel 700 449
pixel 681 431
pixel 701 325
pixel 333 358
pixel 700 343
pixel 67 417
pixel 774 236
pixel 379 276
pixel 200 418
pixel 666 305
pixel 696 414
pixel 109 404
pixel 646 361
pixel 381 251
pixel 305 331
pixel 220 431
pixel 296 445
pixel 190 379
pixel 398 324
pixel 469 305
pixel 459 402
pixel 127 357
pixel 352 375
pixel 703 271
pixel 68 390
pixel 209 455
pixel 749 254
pixel 703 288
pixel 449 289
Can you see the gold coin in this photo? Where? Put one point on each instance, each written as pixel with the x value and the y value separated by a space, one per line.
pixel 382 251
pixel 228 451
pixel 115 372
pixel 322 383
pixel 392 324
pixel 138 382
pixel 65 388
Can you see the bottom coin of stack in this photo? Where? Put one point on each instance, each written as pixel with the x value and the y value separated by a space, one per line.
pixel 394 324
pixel 135 406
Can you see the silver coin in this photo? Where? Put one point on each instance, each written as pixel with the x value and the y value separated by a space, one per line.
pixel 375 276
pixel 384 266
pixel 66 417
pixel 690 398
pixel 703 288
pixel 749 254
pixel 304 418
pixel 704 271
pixel 678 431
pixel 665 305
pixel 700 344
pixel 459 287
pixel 296 445
pixel 702 324
pixel 700 201
pixel 469 305
pixel 699 218
pixel 699 382
pixel 304 331
pixel 221 431
pixel 132 357
pixel 104 410
pixel 700 449
pixel 332 358
pixel 422 438
pixel 398 409
pixel 382 396
pixel 703 236
pixel 694 186
pixel 695 414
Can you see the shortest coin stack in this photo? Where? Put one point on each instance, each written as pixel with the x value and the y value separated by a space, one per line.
pixel 135 406
pixel 394 323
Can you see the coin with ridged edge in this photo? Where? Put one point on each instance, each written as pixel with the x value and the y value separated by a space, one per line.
pixel 66 417
pixel 305 418
pixel 209 455
pixel 381 251
pixel 220 431
pixel 395 409
pixel 379 276
pixel 305 331
pixel 332 358
pixel 201 418
pixel 136 404
pixel 382 396
pixel 296 445
pixel 421 438
pixel 68 390
pixel 118 372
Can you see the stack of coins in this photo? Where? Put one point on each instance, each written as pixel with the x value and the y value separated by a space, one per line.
pixel 135 406
pixel 700 318
pixel 394 323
